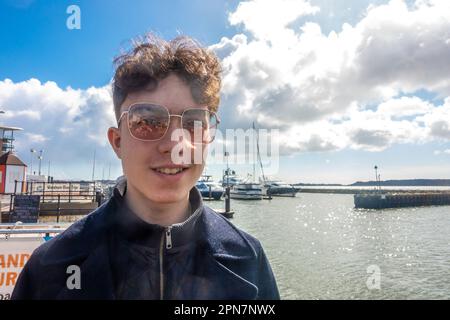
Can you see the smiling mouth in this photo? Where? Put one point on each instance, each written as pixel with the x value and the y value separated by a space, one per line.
pixel 169 171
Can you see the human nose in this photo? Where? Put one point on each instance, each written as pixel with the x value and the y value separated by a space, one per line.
pixel 174 136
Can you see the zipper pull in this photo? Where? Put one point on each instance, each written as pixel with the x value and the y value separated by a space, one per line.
pixel 168 238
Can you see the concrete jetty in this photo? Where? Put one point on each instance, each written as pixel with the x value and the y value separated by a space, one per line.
pixel 382 200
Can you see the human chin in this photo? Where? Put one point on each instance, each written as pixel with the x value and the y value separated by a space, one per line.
pixel 165 196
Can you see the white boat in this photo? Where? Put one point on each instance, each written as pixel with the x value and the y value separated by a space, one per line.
pixel 278 188
pixel 246 191
pixel 230 178
pixel 209 188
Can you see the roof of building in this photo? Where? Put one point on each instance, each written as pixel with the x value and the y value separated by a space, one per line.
pixel 11 158
pixel 10 128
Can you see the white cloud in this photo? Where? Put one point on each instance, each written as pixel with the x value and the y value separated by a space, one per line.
pixel 66 123
pixel 404 107
pixel 35 138
pixel 439 152
pixel 267 19
pixel 32 114
pixel 438 121
pixel 345 89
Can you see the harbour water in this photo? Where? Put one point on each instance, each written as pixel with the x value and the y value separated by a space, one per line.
pixel 320 247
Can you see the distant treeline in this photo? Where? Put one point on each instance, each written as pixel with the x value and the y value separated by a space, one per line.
pixel 404 183
pixel 319 184
pixel 387 183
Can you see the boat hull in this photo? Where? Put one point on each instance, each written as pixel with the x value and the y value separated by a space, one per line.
pixel 216 195
pixel 245 196
pixel 281 192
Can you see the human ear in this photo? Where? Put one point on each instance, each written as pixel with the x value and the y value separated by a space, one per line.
pixel 114 140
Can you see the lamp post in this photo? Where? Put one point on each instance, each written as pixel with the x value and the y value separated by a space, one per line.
pixel 40 157
pixel 31 165
pixel 1 147
pixel 376 176
pixel 93 166
pixel 226 154
pixel 227 188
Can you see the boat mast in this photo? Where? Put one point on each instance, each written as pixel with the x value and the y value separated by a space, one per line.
pixel 253 151
pixel 259 155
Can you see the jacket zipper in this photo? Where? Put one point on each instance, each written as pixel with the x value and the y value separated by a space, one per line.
pixel 168 235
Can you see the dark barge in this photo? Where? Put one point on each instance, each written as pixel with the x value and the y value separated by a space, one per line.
pixel 383 200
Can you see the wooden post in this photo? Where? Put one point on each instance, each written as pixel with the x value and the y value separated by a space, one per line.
pixel 10 206
pixel 227 199
pixel 11 201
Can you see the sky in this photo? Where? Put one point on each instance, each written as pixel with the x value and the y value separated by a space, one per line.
pixel 347 84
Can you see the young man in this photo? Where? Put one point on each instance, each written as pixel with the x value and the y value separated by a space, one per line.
pixel 155 239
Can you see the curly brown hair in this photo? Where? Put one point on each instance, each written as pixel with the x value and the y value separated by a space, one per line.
pixel 153 58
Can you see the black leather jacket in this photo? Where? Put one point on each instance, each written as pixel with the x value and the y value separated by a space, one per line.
pixel 122 257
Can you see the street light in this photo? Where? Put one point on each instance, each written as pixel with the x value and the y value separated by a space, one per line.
pixel 376 176
pixel 31 167
pixel 40 157
pixel 226 154
pixel 227 188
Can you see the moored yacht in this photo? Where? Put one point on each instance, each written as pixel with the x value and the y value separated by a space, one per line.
pixel 278 188
pixel 246 191
pixel 230 178
pixel 208 188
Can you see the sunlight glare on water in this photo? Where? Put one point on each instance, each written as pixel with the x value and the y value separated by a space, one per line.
pixel 320 247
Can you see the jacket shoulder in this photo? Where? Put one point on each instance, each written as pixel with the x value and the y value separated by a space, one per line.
pixel 241 253
pixel 43 275
pixel 227 239
pixel 76 241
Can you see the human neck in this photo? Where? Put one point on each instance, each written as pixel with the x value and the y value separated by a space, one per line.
pixel 164 214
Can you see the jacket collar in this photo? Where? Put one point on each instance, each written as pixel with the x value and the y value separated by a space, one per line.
pixel 134 229
pixel 222 239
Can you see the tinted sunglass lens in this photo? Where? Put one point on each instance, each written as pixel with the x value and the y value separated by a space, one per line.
pixel 148 122
pixel 201 124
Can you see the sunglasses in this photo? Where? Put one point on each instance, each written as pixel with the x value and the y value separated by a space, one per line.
pixel 150 122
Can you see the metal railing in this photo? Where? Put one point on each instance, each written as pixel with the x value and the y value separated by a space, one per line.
pixel 50 194
pixel 30 231
pixel 59 193
pixel 9 229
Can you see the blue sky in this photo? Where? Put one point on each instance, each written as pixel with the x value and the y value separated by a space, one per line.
pixel 353 83
pixel 36 42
